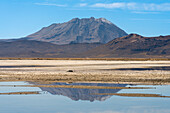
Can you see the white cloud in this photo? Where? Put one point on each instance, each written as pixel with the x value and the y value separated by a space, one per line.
pixel 50 4
pixel 145 12
pixel 112 5
pixel 156 7
pixel 83 4
pixel 134 6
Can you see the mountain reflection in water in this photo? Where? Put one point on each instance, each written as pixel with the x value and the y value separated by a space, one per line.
pixel 83 94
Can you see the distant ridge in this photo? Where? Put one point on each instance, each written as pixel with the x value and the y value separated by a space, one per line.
pixel 133 46
pixel 130 46
pixel 86 30
pixel 31 48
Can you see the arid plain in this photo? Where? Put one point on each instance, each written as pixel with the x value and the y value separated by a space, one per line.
pixel 131 72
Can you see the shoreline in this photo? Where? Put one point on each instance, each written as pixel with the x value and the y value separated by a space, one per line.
pixel 105 59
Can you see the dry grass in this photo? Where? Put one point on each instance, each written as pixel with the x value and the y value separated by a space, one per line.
pixel 20 93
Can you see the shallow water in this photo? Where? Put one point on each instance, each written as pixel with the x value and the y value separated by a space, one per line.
pixel 75 100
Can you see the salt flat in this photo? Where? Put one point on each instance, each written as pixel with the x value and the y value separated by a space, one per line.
pixel 144 72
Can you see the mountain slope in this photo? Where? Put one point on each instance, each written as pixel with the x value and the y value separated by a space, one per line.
pixel 83 94
pixel 133 45
pixel 31 48
pixel 86 30
pixel 130 46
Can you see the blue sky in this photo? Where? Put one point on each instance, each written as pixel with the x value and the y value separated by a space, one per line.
pixel 19 18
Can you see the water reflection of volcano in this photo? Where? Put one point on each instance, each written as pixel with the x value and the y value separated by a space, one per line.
pixel 83 94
